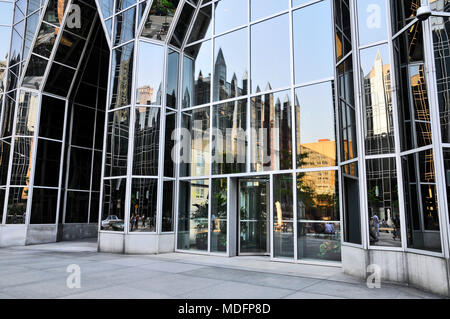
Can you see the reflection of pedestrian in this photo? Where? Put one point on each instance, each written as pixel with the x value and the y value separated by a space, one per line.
pixel 376 223
pixel 329 229
pixel 137 222
pixel 372 232
pixel 143 221
pixel 133 222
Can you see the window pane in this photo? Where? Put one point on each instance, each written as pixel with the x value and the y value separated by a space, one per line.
pixel 21 162
pixel 270 63
pixel 35 72
pixel 202 26
pixel 315 126
pixel 48 161
pixel 167 209
pixel 271 132
pixel 51 123
pixel 146 142
pixel 283 216
pixel 421 209
pixel 17 205
pixel 195 153
pixel 182 25
pixel 172 79
pixel 230 14
pixel 193 215
pixel 80 168
pixel 264 8
pixel 230 65
pixel 377 100
pixel 150 72
pixel 197 75
pixel 320 241
pixel 45 40
pixel 121 81
pixel 144 196
pixel 5 151
pixel 219 215
pixel 229 138
pixel 372 21
pixel 69 49
pixel 124 26
pixel 83 121
pixel 117 143
pixel 59 80
pixel 159 19
pixel 169 145
pixel 77 207
pixel 313 51
pixel 26 113
pixel 113 204
pixel 382 197
pixel 352 218
pixel 43 208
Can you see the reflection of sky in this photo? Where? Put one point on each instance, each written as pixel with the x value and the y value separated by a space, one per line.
pixel 270 53
pixel 369 31
pixel 230 14
pixel 316 112
pixel 6 10
pixel 264 8
pixel 150 68
pixel 369 55
pixel 5 33
pixel 313 43
pixel 234 47
pixel 172 78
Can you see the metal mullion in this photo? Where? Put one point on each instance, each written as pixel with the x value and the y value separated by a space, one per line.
pixel 293 130
pixel 248 133
pixel 306 4
pixel 69 150
pixel 358 126
pixel 372 44
pixel 270 232
pixel 438 156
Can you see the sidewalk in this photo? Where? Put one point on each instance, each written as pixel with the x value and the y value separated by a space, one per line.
pixel 39 271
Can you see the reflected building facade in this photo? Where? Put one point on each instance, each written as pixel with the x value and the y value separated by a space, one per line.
pixel 304 131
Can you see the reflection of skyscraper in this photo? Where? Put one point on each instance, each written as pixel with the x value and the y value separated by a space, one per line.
pixel 145 95
pixel 378 108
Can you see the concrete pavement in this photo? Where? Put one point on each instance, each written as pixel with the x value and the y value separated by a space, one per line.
pixel 40 271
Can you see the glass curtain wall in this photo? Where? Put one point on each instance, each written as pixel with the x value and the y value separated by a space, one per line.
pixel 250 77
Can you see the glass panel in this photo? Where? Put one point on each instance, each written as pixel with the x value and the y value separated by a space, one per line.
pixel 83 121
pixel 167 209
pixel 264 8
pixel 51 123
pixel 16 48
pixel 382 198
pixel 159 19
pixel 270 63
pixel 440 5
pixel 315 126
pixel 43 208
pixel 169 145
pixel 146 142
pixel 150 72
pixel 144 196
pixel 123 4
pixel 59 80
pixel 371 21
pixel 45 40
pixel 80 168
pixel 352 218
pixel 95 202
pixel 197 75
pixel 271 132
pixel 124 26
pixel 6 9
pixel 30 29
pixel 117 143
pixel 343 29
pixel 219 215
pixel 69 49
pixel 202 27
pixel 26 113
pixel 5 151
pixel 55 11
pixel 77 207
pixel 193 215
pixel 113 202
pixel 195 157
pixel 8 116
pixel 230 14
pixel 48 161
pixel 107 7
pixel 404 11
pixel 320 241
pixel 313 51
pixel 35 72
pixel 121 82
pixel 317 196
pixel 377 100
pixel 182 25
pixel 283 216
pixel 172 79
pixel 347 117
pixel 229 138
pixel 17 205
pixel 421 208
pixel 21 162
pixel 230 65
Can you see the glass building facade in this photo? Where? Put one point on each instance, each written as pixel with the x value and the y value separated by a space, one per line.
pixel 308 131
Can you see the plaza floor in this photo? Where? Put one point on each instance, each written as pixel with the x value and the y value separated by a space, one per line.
pixel 40 271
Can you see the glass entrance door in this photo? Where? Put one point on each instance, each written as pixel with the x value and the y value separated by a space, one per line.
pixel 254 216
